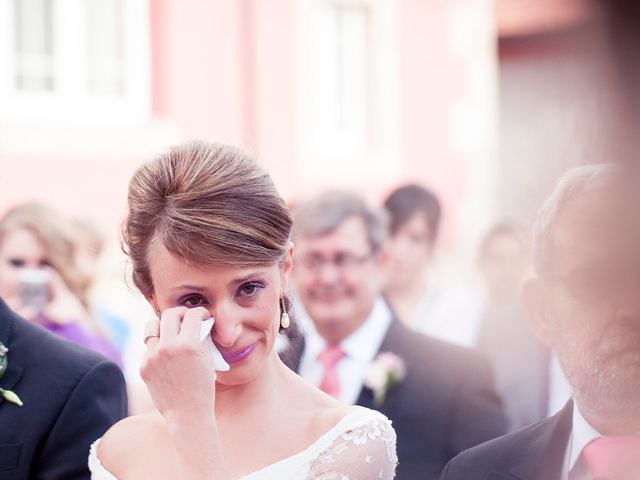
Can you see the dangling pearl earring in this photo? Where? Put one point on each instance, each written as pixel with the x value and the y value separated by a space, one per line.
pixel 284 316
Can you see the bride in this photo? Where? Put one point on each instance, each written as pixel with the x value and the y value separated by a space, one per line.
pixel 208 236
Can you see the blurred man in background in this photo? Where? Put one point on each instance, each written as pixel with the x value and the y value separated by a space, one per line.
pixel 584 304
pixel 445 403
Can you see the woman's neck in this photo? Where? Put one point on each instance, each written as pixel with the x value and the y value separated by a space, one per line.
pixel 405 299
pixel 233 400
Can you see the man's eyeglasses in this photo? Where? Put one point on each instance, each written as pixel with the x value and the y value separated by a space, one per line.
pixel 341 261
pixel 597 282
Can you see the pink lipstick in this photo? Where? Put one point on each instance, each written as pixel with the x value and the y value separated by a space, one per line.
pixel 233 357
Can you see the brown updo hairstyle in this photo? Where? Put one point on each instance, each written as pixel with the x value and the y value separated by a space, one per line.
pixel 209 204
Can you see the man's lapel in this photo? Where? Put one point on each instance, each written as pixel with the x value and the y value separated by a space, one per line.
pixel 544 456
pixel 14 371
pixel 10 378
pixel 392 342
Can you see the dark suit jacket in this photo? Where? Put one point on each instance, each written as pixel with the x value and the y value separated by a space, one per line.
pixel 445 404
pixel 71 397
pixel 534 453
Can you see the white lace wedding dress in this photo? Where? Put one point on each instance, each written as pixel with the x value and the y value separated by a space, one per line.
pixel 361 446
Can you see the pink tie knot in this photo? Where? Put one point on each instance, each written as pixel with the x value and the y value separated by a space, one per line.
pixel 328 358
pixel 613 457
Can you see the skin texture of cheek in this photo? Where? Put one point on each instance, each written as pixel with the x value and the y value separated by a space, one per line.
pixel 8 283
pixel 405 269
pixel 599 360
pixel 252 369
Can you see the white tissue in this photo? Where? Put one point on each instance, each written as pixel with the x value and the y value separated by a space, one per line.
pixel 219 363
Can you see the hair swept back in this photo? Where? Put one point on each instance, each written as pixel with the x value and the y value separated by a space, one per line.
pixel 208 204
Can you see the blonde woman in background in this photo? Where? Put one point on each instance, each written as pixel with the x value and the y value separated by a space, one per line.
pixel 42 279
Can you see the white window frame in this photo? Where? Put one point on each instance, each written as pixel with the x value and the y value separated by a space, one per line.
pixel 380 158
pixel 70 102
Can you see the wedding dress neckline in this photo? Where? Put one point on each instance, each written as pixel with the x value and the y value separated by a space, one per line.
pixel 355 418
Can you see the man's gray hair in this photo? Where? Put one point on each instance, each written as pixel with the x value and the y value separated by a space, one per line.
pixel 324 212
pixel 575 181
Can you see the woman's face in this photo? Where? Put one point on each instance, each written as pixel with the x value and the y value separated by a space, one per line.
pixel 244 301
pixel 409 251
pixel 20 249
pixel 504 264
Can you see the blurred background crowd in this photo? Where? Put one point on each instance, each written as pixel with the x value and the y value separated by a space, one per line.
pixel 453 116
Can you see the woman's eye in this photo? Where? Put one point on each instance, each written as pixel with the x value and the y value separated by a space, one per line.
pixel 249 289
pixel 16 262
pixel 193 301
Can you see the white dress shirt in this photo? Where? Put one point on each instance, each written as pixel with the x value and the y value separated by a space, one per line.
pixel 360 349
pixel 575 467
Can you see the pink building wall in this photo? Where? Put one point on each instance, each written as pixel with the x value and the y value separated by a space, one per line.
pixel 432 81
pixel 197 67
pixel 227 71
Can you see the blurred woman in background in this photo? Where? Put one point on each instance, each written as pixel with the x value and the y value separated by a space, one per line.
pixel 520 362
pixel 420 299
pixel 42 279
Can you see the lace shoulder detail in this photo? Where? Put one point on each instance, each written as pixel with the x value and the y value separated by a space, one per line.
pixel 98 472
pixel 362 446
pixel 364 450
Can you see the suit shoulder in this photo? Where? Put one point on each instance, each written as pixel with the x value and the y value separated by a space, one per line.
pixel 501 453
pixel 28 337
pixel 424 347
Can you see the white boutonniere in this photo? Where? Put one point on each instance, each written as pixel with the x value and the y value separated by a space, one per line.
pixel 8 395
pixel 387 370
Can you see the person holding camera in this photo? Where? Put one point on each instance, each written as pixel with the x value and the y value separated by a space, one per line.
pixel 41 278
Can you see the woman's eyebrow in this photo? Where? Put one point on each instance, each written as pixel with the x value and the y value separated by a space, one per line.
pixel 189 287
pixel 244 278
pixel 247 276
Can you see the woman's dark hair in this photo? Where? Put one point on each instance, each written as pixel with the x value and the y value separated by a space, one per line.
pixel 404 202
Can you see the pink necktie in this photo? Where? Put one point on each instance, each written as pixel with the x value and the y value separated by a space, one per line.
pixel 329 358
pixel 613 457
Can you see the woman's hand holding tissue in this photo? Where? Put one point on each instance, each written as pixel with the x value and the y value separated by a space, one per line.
pixel 178 366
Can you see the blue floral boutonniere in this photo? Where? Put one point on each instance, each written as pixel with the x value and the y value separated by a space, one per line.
pixel 8 395
pixel 387 370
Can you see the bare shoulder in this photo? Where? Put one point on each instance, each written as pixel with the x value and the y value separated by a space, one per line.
pixel 123 443
pixel 335 414
pixel 327 419
pixel 321 413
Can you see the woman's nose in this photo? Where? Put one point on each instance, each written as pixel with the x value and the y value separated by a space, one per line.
pixel 227 327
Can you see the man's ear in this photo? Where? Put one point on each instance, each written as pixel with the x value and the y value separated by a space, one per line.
pixel 534 301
